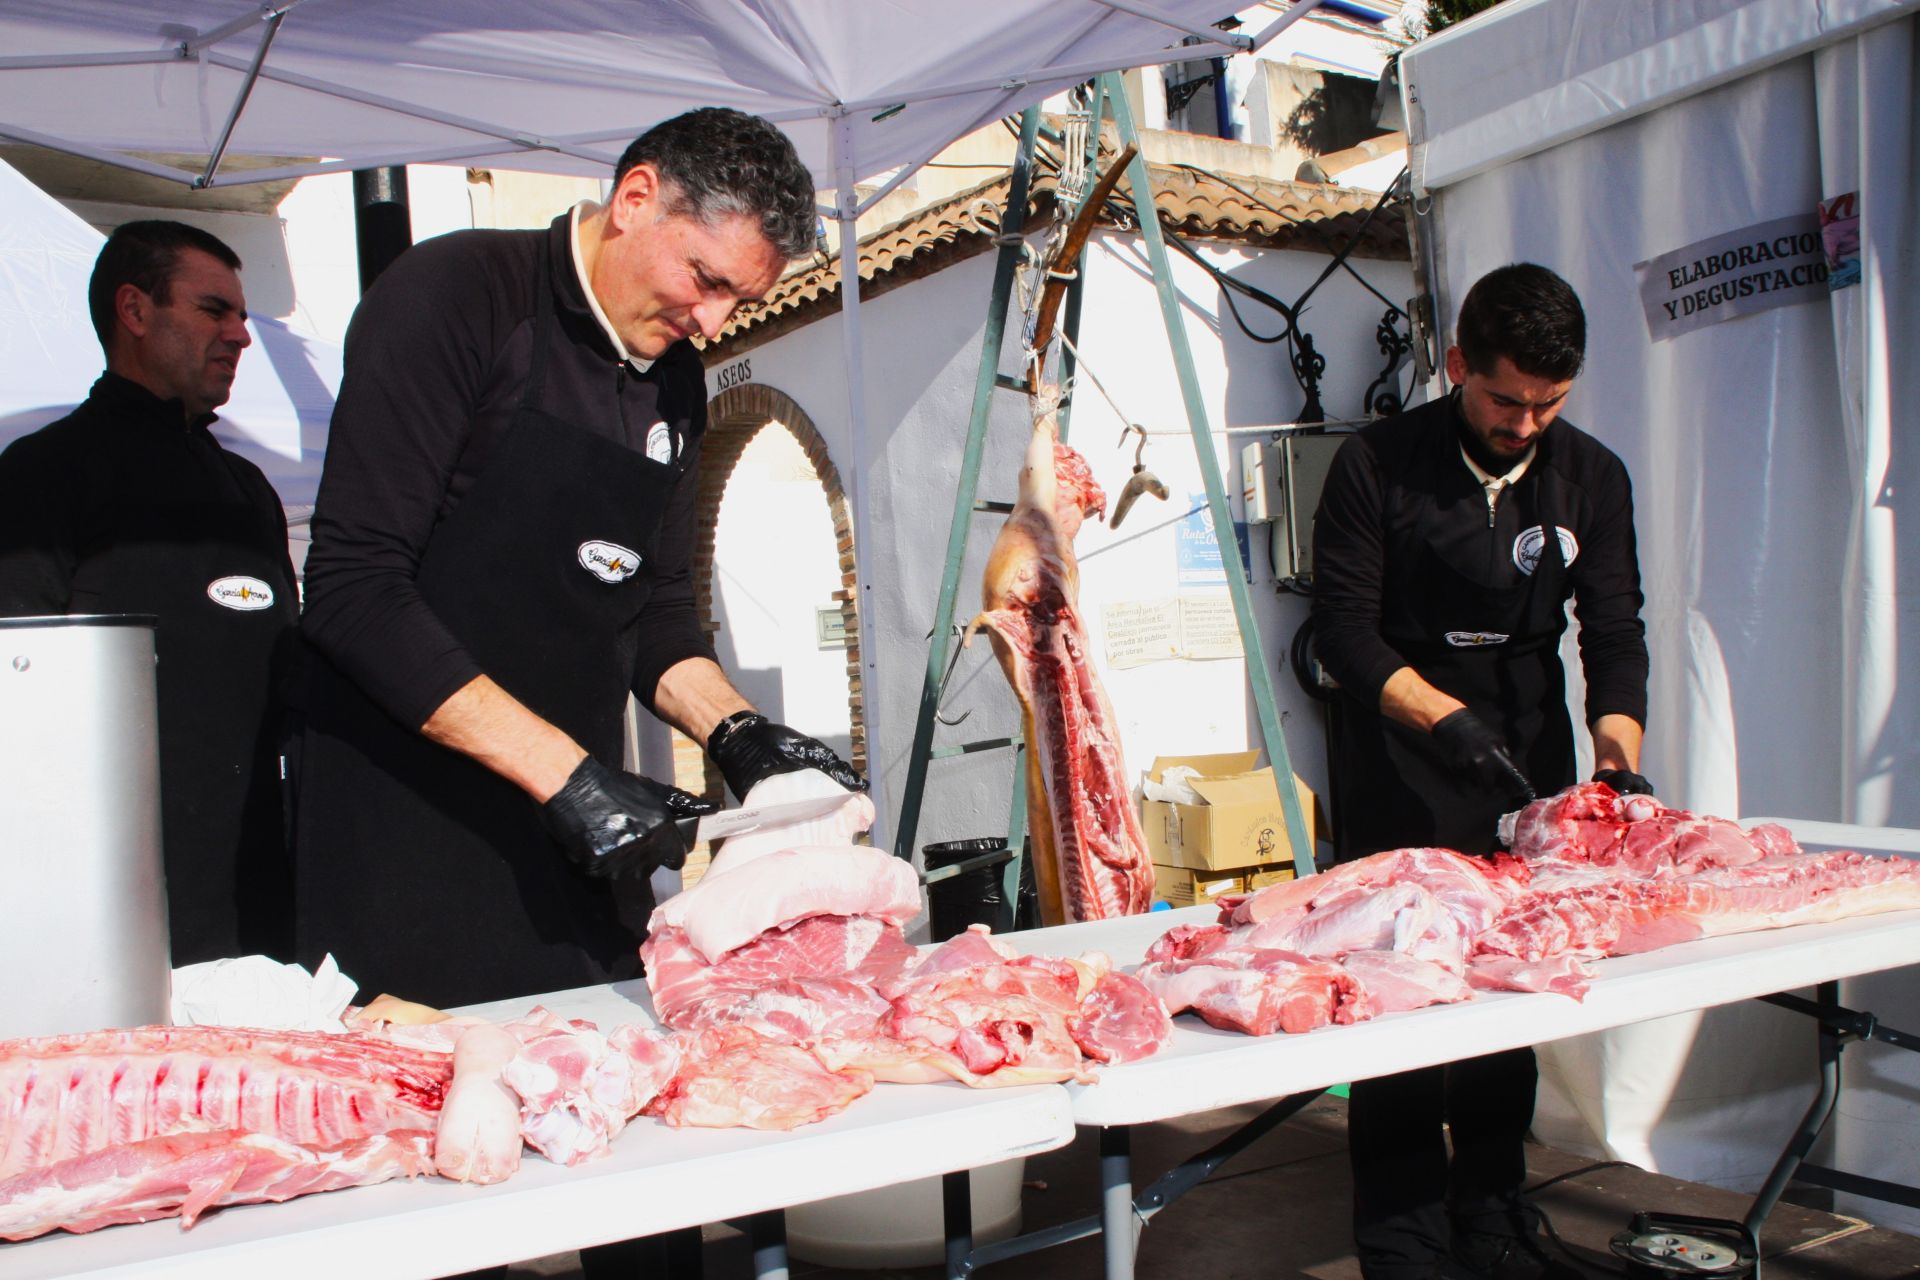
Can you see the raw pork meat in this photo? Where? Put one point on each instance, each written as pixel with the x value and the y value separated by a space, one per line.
pixel 1090 858
pixel 837 828
pixel 1630 916
pixel 578 1088
pixel 731 909
pixel 477 1137
pixel 68 1096
pixel 808 980
pixel 1377 935
pixel 1256 991
pixel 730 1077
pixel 186 1174
pixel 977 1010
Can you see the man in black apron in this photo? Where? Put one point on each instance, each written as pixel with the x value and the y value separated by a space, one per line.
pixel 501 552
pixel 1446 546
pixel 129 505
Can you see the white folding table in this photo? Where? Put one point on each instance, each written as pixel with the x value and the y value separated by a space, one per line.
pixel 1203 1069
pixel 655 1179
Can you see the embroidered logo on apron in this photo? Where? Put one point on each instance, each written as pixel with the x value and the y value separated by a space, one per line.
pixel 660 443
pixel 609 561
pixel 1476 639
pixel 1527 548
pixel 245 594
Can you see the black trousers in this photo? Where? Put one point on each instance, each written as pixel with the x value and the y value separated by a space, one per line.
pixel 1407 1193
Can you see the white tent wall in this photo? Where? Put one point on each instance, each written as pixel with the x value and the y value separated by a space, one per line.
pixel 922 348
pixel 1769 467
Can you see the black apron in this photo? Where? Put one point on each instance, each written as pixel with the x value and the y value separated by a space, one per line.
pixel 211 564
pixel 1392 788
pixel 424 873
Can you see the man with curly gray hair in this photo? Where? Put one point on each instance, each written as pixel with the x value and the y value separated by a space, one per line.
pixel 501 554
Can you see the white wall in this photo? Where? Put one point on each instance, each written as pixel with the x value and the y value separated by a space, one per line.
pixel 775 566
pixel 921 351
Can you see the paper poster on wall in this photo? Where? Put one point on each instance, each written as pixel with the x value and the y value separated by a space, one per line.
pixel 1736 273
pixel 1197 627
pixel 1208 628
pixel 1197 551
pixel 1140 631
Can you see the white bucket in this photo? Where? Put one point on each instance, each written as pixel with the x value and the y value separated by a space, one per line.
pixel 902 1225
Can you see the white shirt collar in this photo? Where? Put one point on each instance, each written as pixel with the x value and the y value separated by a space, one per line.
pixel 1494 483
pixel 593 303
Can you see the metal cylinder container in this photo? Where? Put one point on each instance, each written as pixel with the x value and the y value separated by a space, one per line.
pixel 84 941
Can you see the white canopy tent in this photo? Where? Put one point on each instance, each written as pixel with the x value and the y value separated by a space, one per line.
pixel 1772 450
pixel 49 356
pixel 564 86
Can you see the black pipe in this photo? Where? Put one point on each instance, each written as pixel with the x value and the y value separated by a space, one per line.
pixel 383 226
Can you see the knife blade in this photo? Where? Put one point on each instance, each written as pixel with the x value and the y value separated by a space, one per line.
pixel 733 822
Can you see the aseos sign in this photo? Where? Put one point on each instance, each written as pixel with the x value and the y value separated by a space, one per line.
pixel 1771 264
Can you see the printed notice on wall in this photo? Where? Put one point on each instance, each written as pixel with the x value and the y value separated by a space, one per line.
pixel 1771 264
pixel 1208 628
pixel 1196 627
pixel 1141 631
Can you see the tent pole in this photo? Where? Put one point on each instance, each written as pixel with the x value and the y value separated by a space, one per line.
pixel 847 203
pixel 382 221
pixel 240 99
pixel 1299 10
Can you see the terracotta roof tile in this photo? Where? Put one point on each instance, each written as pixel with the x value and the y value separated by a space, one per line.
pixel 1196 204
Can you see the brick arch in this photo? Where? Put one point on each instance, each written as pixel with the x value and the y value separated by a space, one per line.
pixel 734 418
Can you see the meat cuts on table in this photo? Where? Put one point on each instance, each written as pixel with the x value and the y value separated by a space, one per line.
pixel 185 1174
pixel 1592 874
pixel 128 1126
pixel 801 953
pixel 1090 858
pixel 67 1096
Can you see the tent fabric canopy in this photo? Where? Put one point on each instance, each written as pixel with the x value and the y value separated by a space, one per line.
pixel 1564 70
pixel 557 87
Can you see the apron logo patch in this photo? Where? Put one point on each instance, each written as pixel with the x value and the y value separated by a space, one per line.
pixel 1476 639
pixel 245 594
pixel 660 444
pixel 1527 547
pixel 609 561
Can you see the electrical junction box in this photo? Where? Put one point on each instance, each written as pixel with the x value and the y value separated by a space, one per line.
pixel 1259 482
pixel 1300 461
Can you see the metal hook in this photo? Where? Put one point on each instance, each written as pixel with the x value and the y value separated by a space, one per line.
pixel 1141 481
pixel 940 695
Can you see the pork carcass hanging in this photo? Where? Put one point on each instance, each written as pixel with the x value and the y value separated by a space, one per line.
pixel 1090 858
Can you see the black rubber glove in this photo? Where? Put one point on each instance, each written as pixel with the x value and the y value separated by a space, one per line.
pixel 748 747
pixel 616 824
pixel 1625 781
pixel 1473 748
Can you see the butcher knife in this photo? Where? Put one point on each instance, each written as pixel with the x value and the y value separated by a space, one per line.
pixel 733 822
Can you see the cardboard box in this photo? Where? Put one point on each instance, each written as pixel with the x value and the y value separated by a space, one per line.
pixel 1260 877
pixel 1239 823
pixel 1192 886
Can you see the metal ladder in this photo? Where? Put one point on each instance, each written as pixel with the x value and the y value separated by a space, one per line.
pixel 1108 94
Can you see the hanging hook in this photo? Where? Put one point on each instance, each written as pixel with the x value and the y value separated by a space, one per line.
pixel 1141 481
pixel 940 695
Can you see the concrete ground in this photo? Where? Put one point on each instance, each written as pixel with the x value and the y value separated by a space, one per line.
pixel 1279 1209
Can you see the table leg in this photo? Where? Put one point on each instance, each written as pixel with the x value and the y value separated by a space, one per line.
pixel 1812 1123
pixel 956 1207
pixel 1116 1201
pixel 768 1233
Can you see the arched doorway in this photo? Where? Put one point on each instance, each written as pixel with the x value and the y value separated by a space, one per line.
pixel 764 552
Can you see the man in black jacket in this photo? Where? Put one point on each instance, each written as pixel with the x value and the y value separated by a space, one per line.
pixel 129 505
pixel 1447 544
pixel 501 553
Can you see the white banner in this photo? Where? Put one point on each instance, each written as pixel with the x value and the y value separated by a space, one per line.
pixel 1770 264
